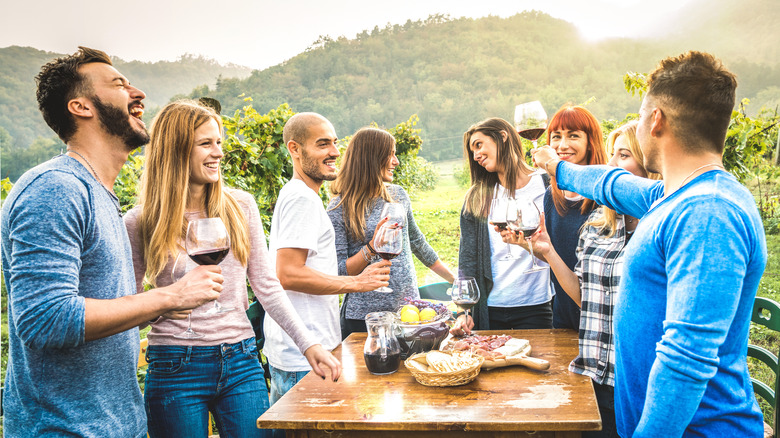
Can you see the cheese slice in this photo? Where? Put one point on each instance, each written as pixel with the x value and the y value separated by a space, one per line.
pixel 513 347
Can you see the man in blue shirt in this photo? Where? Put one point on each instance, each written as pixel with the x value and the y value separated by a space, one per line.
pixel 693 266
pixel 72 311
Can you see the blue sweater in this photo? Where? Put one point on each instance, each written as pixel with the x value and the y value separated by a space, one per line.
pixel 63 241
pixel 686 296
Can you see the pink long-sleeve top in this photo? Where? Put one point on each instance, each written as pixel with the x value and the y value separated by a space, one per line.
pixel 228 327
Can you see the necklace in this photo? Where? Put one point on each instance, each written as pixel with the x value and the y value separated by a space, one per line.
pixel 700 168
pixel 113 196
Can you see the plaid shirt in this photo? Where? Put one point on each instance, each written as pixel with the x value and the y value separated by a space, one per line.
pixel 599 265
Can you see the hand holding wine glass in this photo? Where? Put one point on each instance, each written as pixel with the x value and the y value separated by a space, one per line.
pixel 465 293
pixel 395 213
pixel 388 244
pixel 530 121
pixel 527 221
pixel 498 217
pixel 208 243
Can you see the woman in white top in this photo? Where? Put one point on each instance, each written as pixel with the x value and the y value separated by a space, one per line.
pixel 509 299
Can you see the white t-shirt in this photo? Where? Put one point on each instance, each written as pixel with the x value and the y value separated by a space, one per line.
pixel 300 221
pixel 511 287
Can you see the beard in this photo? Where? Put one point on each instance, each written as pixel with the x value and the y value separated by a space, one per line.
pixel 311 168
pixel 115 122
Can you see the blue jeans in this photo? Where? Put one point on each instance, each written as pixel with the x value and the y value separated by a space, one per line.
pixel 282 381
pixel 184 383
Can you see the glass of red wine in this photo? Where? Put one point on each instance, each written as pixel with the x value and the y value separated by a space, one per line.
pixel 388 244
pixel 208 243
pixel 530 121
pixel 465 293
pixel 497 217
pixel 527 221
pixel 395 213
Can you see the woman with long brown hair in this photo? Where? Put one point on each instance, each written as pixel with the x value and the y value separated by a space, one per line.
pixel 509 299
pixel 220 371
pixel 362 189
pixel 576 136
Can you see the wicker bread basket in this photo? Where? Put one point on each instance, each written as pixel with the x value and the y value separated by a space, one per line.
pixel 453 378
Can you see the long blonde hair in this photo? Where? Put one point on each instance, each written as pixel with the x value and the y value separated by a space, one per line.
pixel 509 155
pixel 165 187
pixel 359 181
pixel 606 223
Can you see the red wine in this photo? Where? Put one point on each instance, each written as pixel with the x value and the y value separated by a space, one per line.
pixel 528 232
pixel 210 257
pixel 531 134
pixel 465 304
pixel 378 364
pixel 501 225
pixel 387 255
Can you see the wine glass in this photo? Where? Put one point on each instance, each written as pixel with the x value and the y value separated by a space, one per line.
pixel 177 272
pixel 388 244
pixel 497 217
pixel 208 243
pixel 465 293
pixel 395 212
pixel 530 121
pixel 527 221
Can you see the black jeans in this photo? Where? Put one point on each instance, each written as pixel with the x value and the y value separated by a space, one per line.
pixel 605 397
pixel 349 326
pixel 519 318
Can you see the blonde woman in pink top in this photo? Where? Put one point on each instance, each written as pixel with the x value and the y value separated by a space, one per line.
pixel 219 372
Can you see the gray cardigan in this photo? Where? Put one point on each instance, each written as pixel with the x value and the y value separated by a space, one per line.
pixel 474 261
pixel 403 278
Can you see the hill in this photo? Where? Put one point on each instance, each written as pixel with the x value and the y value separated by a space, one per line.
pixel 160 80
pixel 26 140
pixel 453 73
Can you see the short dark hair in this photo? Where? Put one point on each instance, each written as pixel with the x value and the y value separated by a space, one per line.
pixel 697 93
pixel 59 81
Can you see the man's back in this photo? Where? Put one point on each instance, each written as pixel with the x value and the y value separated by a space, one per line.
pixel 63 240
pixel 690 278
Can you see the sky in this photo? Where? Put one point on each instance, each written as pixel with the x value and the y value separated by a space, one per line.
pixel 261 33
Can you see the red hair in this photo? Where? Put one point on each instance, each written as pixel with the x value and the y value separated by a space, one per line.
pixel 577 118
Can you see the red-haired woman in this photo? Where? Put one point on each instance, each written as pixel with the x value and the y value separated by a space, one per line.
pixel 576 136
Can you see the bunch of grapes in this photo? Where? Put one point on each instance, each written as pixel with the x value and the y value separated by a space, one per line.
pixel 422 304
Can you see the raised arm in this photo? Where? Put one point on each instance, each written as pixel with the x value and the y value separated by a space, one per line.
pixel 611 186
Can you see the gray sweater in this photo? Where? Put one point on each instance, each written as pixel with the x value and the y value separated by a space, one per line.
pixel 403 278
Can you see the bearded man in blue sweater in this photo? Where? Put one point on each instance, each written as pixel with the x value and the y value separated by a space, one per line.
pixel 693 266
pixel 73 313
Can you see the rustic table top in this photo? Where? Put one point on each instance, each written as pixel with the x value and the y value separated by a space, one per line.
pixel 504 399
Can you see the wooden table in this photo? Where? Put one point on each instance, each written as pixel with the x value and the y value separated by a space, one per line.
pixel 504 402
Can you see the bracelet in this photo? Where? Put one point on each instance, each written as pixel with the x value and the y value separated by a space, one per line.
pixel 457 315
pixel 373 251
pixel 548 163
pixel 364 253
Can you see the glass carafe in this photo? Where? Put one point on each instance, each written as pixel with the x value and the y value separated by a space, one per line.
pixel 382 351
